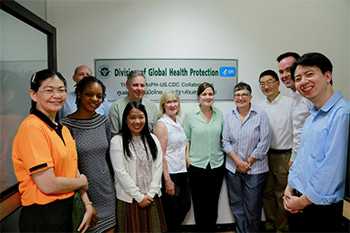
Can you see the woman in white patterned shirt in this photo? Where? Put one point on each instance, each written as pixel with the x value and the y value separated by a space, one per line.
pixel 136 158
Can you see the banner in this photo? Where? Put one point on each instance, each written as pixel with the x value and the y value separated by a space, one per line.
pixel 182 76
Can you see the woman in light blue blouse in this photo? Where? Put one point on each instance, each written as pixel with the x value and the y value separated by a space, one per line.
pixel 246 139
pixel 203 130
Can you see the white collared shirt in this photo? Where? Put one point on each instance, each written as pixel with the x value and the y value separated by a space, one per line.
pixel 301 110
pixel 279 112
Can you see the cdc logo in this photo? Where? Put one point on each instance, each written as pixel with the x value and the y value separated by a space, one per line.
pixel 227 71
pixel 104 71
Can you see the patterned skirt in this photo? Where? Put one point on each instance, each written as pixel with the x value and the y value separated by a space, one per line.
pixel 132 218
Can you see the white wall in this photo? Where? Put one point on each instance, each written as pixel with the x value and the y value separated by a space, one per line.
pixel 38 7
pixel 253 31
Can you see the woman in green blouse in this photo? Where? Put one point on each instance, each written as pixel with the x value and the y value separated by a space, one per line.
pixel 203 129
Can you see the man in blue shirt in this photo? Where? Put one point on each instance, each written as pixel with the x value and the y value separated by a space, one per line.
pixel 316 180
pixel 70 106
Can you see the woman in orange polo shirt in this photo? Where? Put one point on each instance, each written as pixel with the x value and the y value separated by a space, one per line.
pixel 45 161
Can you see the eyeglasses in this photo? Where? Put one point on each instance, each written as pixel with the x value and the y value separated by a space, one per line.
pixel 52 91
pixel 243 95
pixel 267 83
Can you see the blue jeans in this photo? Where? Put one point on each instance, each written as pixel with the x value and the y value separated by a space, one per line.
pixel 245 197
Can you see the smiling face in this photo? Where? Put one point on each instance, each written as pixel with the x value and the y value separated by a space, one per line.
pixel 284 71
pixel 269 86
pixel 242 99
pixel 50 96
pixel 312 83
pixel 91 97
pixel 171 107
pixel 136 88
pixel 81 72
pixel 206 98
pixel 136 121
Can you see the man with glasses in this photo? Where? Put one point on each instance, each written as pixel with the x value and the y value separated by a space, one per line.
pixel 279 112
pixel 301 106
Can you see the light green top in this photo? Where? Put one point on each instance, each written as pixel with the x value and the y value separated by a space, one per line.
pixel 117 109
pixel 205 138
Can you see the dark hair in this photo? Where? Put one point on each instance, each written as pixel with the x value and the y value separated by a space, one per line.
pixel 204 86
pixel 39 77
pixel 145 132
pixel 313 59
pixel 270 73
pixel 242 86
pixel 86 81
pixel 316 59
pixel 134 73
pixel 288 54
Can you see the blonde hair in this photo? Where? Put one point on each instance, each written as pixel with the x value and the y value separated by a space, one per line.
pixel 167 96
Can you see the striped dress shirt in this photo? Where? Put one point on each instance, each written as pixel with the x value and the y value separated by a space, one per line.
pixel 252 136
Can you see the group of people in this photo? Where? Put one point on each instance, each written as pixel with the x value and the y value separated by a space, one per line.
pixel 137 168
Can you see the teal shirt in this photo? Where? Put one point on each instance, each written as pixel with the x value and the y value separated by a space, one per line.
pixel 205 139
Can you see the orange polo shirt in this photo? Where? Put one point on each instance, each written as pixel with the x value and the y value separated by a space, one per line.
pixel 36 147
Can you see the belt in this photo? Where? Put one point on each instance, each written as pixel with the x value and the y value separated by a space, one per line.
pixel 276 151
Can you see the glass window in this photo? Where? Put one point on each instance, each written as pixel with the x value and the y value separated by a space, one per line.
pixel 23 50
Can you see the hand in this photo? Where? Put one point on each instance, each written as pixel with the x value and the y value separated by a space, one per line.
pixel 89 219
pixel 170 187
pixel 287 192
pixel 85 183
pixel 242 166
pixel 292 203
pixel 251 160
pixel 188 162
pixel 286 198
pixel 146 201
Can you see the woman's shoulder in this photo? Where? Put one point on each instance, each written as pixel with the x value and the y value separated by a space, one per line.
pixel 95 121
pixel 65 120
pixel 218 113
pixel 116 138
pixel 188 116
pixel 259 110
pixel 32 125
pixel 156 140
pixel 162 118
pixel 31 122
pixel 154 137
pixel 217 110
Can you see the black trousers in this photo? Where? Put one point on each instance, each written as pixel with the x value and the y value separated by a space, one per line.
pixel 176 207
pixel 319 218
pixel 205 188
pixel 52 217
